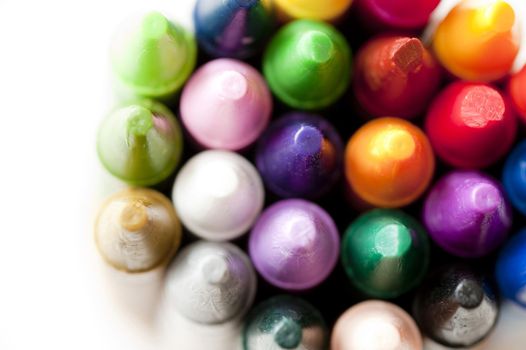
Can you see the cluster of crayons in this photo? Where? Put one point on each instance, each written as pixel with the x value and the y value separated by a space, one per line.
pixel 305 185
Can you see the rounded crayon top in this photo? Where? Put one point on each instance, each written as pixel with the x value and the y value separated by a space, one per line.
pixel 376 325
pixel 226 104
pixel 323 10
pixel 514 177
pixel 510 270
pixel 218 195
pixel 307 64
pixel 152 56
pixel 285 322
pixel 389 162
pixel 233 28
pixel 470 125
pixel 137 230
pixel 294 244
pixel 396 76
pixel 300 155
pixel 517 92
pixel 211 282
pixel 140 143
pixel 478 40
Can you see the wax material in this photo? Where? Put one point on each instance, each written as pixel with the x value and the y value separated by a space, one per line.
pixel 394 16
pixel 137 230
pixel 510 270
pixel 517 92
pixel 456 307
pixel 140 143
pixel 396 76
pixel 467 214
pixel 152 56
pixel 514 177
pixel 385 253
pixel 376 325
pixel 218 195
pixel 389 162
pixel 307 64
pixel 226 104
pixel 285 322
pixel 233 28
pixel 300 155
pixel 211 283
pixel 470 125
pixel 294 244
pixel 323 10
pixel 478 40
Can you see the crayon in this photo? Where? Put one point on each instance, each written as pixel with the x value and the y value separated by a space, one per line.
pixel 285 322
pixel 211 283
pixel 478 40
pixel 385 253
pixel 322 10
pixel 389 162
pixel 375 325
pixel 307 64
pixel 300 155
pixel 513 177
pixel 152 56
pixel 470 125
pixel 140 143
pixel 218 195
pixel 467 214
pixel 137 230
pixel 233 28
pixel 510 270
pixel 395 76
pixel 456 307
pixel 517 91
pixel 294 244
pixel 407 16
pixel 226 104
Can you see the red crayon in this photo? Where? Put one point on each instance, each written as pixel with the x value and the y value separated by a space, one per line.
pixel 517 92
pixel 470 125
pixel 395 76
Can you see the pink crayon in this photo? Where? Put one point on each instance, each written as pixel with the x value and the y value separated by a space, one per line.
pixel 226 105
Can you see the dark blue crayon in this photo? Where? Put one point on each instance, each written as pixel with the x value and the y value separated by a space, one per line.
pixel 510 270
pixel 514 177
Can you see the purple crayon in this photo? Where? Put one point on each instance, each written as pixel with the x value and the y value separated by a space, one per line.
pixel 300 155
pixel 226 104
pixel 467 214
pixel 294 244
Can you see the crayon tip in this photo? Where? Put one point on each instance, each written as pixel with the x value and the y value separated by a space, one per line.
pixel 316 47
pixel 155 26
pixel 393 241
pixel 469 294
pixel 232 85
pixel 215 270
pixel 309 139
pixel 497 17
pixel 408 54
pixel 394 144
pixel 288 334
pixel 486 198
pixel 223 183
pixel 140 121
pixel 134 216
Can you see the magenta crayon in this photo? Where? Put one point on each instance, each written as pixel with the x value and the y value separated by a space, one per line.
pixel 467 214
pixel 226 104
pixel 300 155
pixel 294 244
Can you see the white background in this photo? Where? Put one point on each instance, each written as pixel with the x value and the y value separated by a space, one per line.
pixel 54 89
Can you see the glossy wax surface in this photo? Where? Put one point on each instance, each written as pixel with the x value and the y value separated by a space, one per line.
pixel 233 28
pixel 152 56
pixel 467 214
pixel 323 10
pixel 300 155
pixel 294 244
pixel 140 143
pixel 137 230
pixel 517 92
pixel 395 75
pixel 510 270
pixel 399 15
pixel 456 307
pixel 376 325
pixel 226 104
pixel 478 40
pixel 389 162
pixel 211 282
pixel 470 125
pixel 385 253
pixel 514 177
pixel 285 322
pixel 307 64
pixel 218 195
